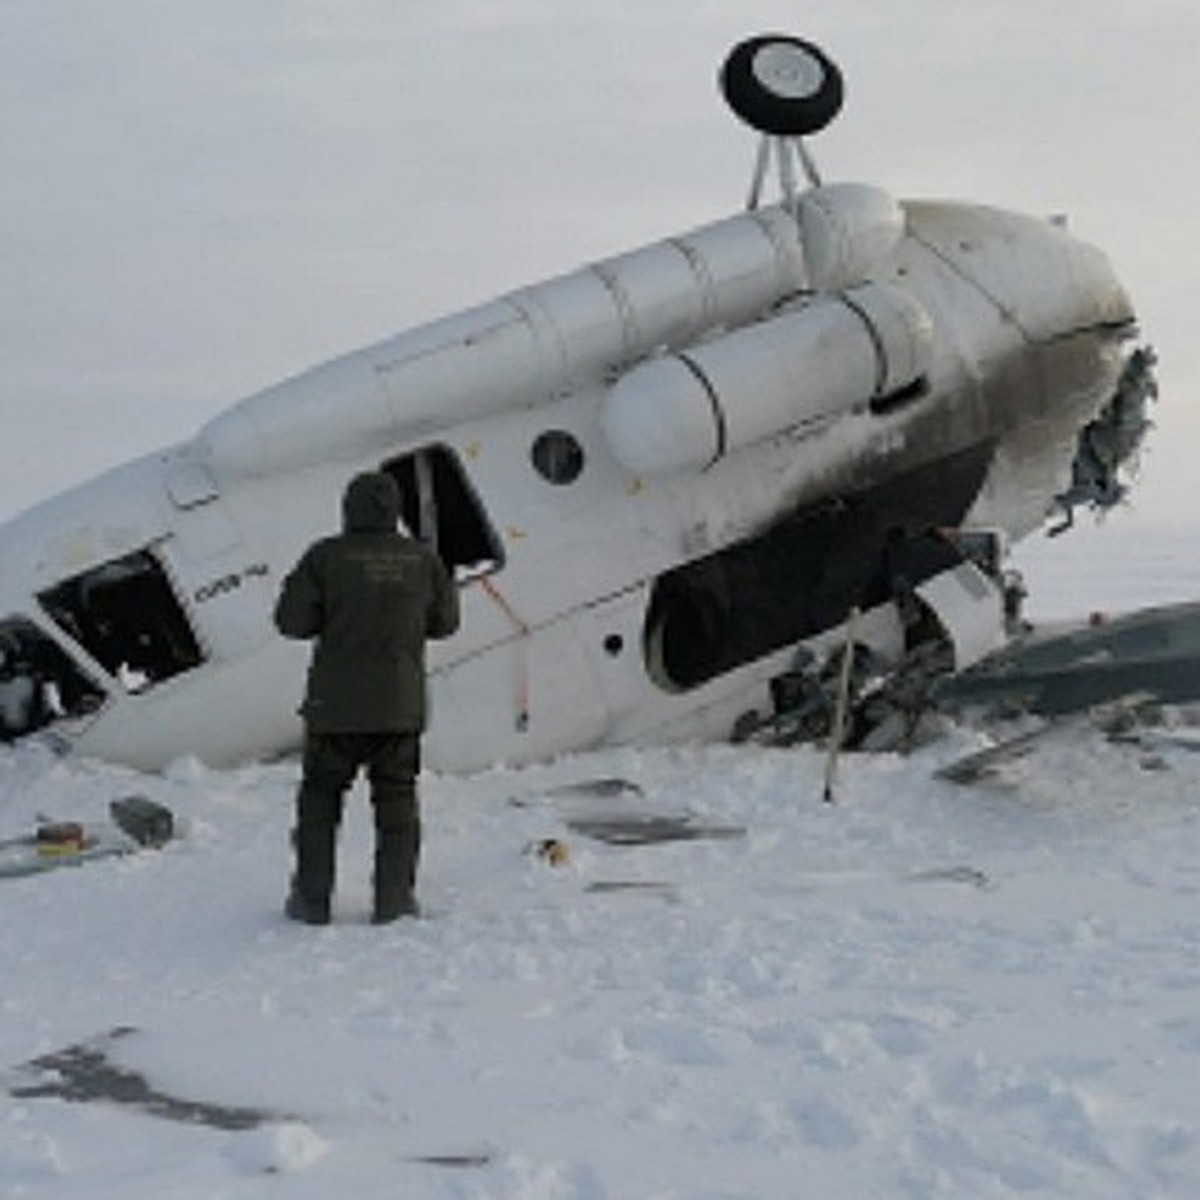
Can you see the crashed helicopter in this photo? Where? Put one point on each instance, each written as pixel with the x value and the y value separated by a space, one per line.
pixel 662 481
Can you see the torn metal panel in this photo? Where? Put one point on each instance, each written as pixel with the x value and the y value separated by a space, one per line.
pixel 969 606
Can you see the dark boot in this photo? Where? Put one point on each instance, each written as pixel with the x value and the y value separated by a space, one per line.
pixel 396 852
pixel 392 908
pixel 299 907
pixel 315 842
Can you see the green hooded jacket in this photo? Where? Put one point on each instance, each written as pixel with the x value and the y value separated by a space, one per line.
pixel 369 597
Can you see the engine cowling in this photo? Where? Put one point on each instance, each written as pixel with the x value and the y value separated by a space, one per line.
pixel 834 354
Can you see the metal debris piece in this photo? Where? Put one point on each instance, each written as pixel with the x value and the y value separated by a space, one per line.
pixel 1109 442
pixel 650 830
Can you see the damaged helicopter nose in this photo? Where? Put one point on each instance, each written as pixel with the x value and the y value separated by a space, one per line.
pixel 1046 282
pixel 1110 442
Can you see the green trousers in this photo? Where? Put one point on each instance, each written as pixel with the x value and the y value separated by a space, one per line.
pixel 331 762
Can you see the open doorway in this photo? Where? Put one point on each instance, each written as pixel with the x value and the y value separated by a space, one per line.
pixel 440 507
pixel 126 616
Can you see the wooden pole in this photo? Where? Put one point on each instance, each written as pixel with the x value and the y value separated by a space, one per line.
pixel 839 713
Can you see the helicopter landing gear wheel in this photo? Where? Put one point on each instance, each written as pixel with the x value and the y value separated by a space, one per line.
pixel 782 85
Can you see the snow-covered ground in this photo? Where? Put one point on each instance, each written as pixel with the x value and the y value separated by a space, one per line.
pixel 923 990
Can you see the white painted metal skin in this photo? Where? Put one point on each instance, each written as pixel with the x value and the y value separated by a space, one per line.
pixel 1009 320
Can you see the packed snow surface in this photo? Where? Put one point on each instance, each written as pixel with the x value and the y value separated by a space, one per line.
pixel 921 990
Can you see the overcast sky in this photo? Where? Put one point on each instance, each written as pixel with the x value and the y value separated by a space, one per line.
pixel 202 198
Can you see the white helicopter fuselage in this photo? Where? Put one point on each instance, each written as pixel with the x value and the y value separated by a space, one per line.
pixel 655 478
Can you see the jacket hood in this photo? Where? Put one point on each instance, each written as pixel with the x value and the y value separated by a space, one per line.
pixel 371 504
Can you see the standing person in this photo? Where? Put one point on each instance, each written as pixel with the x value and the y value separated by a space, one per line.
pixel 369 597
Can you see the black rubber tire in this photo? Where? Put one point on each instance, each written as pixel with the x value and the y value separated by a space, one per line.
pixel 754 81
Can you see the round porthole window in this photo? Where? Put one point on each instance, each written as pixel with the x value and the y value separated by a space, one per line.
pixel 557 456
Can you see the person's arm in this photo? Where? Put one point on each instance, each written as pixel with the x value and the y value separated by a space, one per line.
pixel 442 618
pixel 298 611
